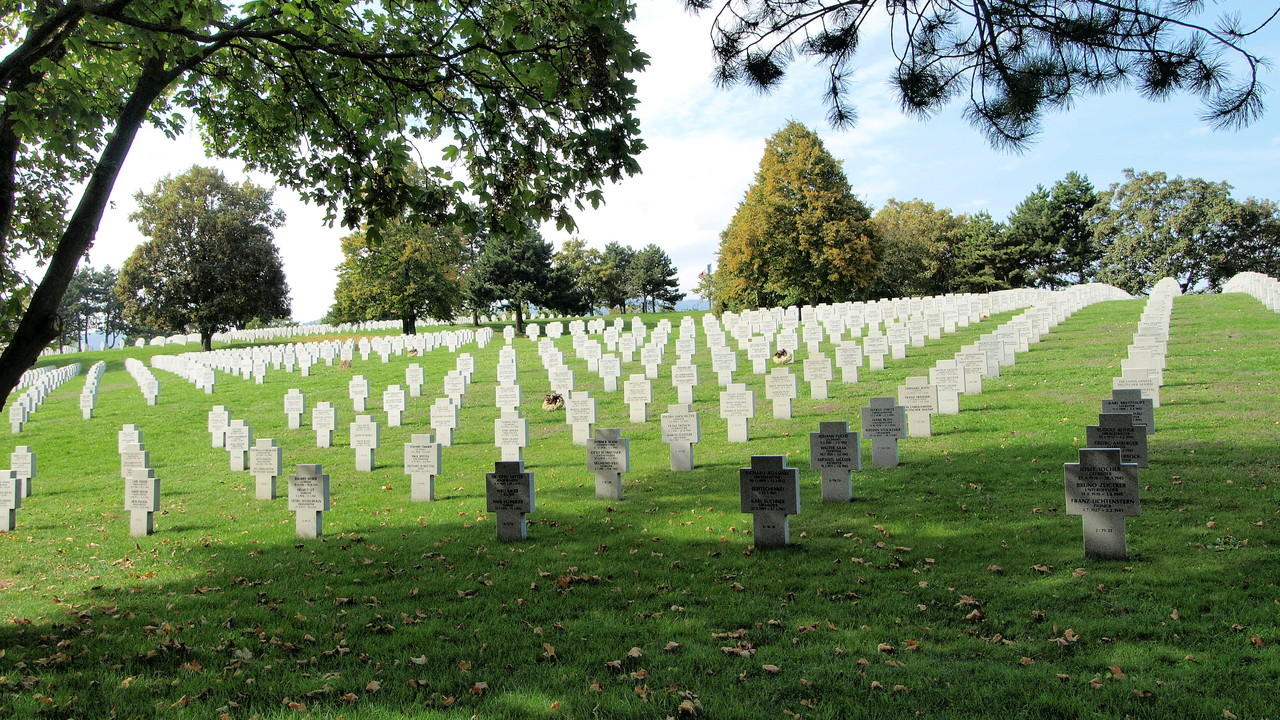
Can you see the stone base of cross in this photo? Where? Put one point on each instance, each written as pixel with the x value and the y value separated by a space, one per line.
pixel 739 430
pixel 264 487
pixel 684 394
pixel 639 412
pixel 309 524
pixel 422 487
pixel 818 389
pixel 782 408
pixel 141 523
pixel 364 459
pixel 239 460
pixel 8 519
pixel 324 438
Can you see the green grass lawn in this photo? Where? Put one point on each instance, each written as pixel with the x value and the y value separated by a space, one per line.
pixel 953 586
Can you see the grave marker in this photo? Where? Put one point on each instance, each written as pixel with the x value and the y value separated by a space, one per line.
pixel 309 499
pixel 358 391
pixel 444 418
pixel 511 435
pixel 608 456
pixel 324 420
pixel 770 492
pixel 509 493
pixel 133 457
pixel 680 430
pixel 817 372
pixel 265 460
pixel 1116 430
pixel 10 500
pixel 366 438
pixel 422 464
pixel 128 435
pixel 885 423
pixel 23 463
pixel 781 386
pixel 580 413
pixel 1103 490
pixel 239 440
pixel 637 393
pixel 414 378
pixel 393 402
pixel 835 451
pixel 737 407
pixel 1132 402
pixel 684 375
pixel 142 500
pixel 920 401
pixel 948 378
pixel 295 403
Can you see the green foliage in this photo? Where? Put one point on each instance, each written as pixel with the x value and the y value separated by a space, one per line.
pixel 652 278
pixel 917 247
pixel 328 97
pixel 583 264
pixel 515 270
pixel 982 262
pixel 800 235
pixel 409 271
pixel 1151 226
pixel 1050 233
pixel 1015 60
pixel 611 276
pixel 210 263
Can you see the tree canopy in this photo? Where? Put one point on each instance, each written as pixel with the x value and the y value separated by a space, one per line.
pixel 652 277
pixel 535 99
pixel 800 234
pixel 209 263
pixel 1152 226
pixel 515 270
pixel 917 248
pixel 409 271
pixel 1013 59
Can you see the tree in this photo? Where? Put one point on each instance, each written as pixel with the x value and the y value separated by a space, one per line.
pixel 1151 227
pixel 917 249
pixel 582 263
pixel 799 235
pixel 1254 229
pixel 612 274
pixel 408 271
pixel 515 270
pixel 209 263
pixel 536 98
pixel 983 263
pixel 1050 232
pixel 78 308
pixel 1015 59
pixel 652 277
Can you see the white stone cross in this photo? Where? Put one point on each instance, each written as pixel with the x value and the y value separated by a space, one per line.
pixel 608 456
pixel 511 435
pixel 781 386
pixel 366 438
pixel 738 406
pixel 265 464
pixel 680 430
pixel 324 420
pixel 142 500
pixel 295 404
pixel 422 464
pixel 23 463
pixel 1117 430
pixel 309 499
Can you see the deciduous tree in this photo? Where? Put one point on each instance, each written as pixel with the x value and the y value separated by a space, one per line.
pixel 209 263
pixel 1152 226
pixel 408 271
pixel 800 234
pixel 917 248
pixel 536 99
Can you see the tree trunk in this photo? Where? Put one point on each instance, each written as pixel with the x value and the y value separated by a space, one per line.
pixel 475 317
pixel 40 323
pixel 519 318
pixel 409 325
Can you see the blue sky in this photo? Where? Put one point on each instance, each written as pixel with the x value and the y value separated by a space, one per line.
pixel 705 144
